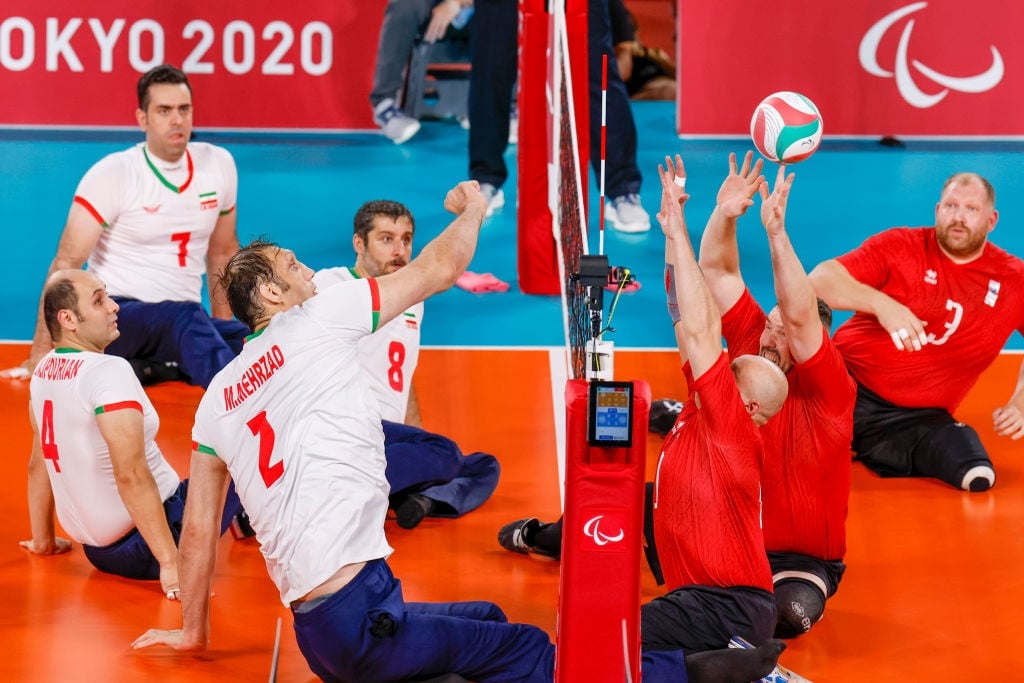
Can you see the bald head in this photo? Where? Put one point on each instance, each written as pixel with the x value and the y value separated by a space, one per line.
pixel 763 386
pixel 78 312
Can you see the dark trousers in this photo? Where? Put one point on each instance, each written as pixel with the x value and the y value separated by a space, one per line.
pixel 181 332
pixel 422 462
pixel 494 48
pixel 131 558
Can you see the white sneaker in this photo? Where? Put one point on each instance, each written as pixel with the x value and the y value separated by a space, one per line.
pixel 396 125
pixel 513 129
pixel 627 214
pixel 494 196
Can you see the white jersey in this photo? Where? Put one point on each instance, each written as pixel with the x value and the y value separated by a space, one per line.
pixel 390 354
pixel 294 420
pixel 157 219
pixel 69 388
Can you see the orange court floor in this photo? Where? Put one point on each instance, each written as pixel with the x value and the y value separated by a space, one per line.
pixel 934 589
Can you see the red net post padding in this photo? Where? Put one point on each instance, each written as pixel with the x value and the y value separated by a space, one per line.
pixel 536 260
pixel 601 547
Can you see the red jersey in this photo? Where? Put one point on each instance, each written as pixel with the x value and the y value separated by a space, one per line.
pixel 707 493
pixel 971 309
pixel 805 480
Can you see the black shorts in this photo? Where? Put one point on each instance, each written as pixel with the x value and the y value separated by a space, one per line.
pixel 824 574
pixel 913 442
pixel 699 618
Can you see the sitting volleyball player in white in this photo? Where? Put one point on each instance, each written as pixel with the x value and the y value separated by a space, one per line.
pixel 427 472
pixel 151 220
pixel 98 463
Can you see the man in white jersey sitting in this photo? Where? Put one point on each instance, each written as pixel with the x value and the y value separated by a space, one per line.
pixel 427 472
pixel 294 423
pixel 98 464
pixel 150 221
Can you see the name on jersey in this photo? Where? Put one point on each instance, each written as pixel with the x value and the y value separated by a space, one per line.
pixel 58 368
pixel 253 378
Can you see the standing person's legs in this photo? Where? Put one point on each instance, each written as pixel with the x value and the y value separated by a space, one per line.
pixel 621 170
pixel 402 21
pixel 494 45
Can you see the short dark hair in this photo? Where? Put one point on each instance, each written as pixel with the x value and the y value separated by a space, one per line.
pixel 241 278
pixel 362 224
pixel 825 314
pixel 59 295
pixel 966 177
pixel 165 73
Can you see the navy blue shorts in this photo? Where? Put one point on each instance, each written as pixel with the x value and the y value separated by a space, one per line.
pixel 179 332
pixel 131 558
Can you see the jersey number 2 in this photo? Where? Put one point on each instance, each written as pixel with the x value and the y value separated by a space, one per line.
pixel 261 429
pixel 46 436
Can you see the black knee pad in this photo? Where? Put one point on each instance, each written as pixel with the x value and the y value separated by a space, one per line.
pixel 800 605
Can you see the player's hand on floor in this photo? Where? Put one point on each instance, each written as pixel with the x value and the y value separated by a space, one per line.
pixel 59 545
pixel 17 372
pixel 1008 421
pixel 172 639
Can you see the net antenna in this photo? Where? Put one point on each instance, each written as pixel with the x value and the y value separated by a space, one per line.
pixel 582 286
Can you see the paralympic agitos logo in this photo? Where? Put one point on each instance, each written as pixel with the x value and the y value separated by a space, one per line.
pixel 905 81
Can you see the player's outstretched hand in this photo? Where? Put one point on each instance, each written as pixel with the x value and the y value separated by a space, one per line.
pixel 739 187
pixel 57 547
pixel 673 196
pixel 773 206
pixel 1008 421
pixel 172 639
pixel 463 196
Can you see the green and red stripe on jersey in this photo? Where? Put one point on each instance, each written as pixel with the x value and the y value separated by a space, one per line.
pixel 120 405
pixel 374 302
pixel 167 183
pixel 82 201
pixel 200 448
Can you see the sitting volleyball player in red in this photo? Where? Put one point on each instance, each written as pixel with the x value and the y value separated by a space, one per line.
pixel 805 480
pixel 428 473
pixel 304 445
pixel 707 492
pixel 98 463
pixel 934 307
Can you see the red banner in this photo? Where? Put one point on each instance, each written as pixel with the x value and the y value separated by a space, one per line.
pixel 875 67
pixel 303 65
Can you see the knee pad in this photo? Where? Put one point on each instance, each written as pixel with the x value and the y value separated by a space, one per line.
pixel 978 478
pixel 800 604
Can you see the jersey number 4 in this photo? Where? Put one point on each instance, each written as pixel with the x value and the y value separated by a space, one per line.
pixel 261 429
pixel 46 436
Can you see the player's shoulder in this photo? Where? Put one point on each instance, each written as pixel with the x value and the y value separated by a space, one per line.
pixel 325 277
pixel 121 162
pixel 206 152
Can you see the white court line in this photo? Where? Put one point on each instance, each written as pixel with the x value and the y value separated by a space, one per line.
pixel 558 364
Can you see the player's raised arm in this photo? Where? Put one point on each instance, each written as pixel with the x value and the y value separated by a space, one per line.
pixel 719 251
pixel 699 329
pixel 443 260
pixel 798 304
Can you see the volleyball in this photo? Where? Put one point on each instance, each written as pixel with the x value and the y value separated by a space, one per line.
pixel 786 127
